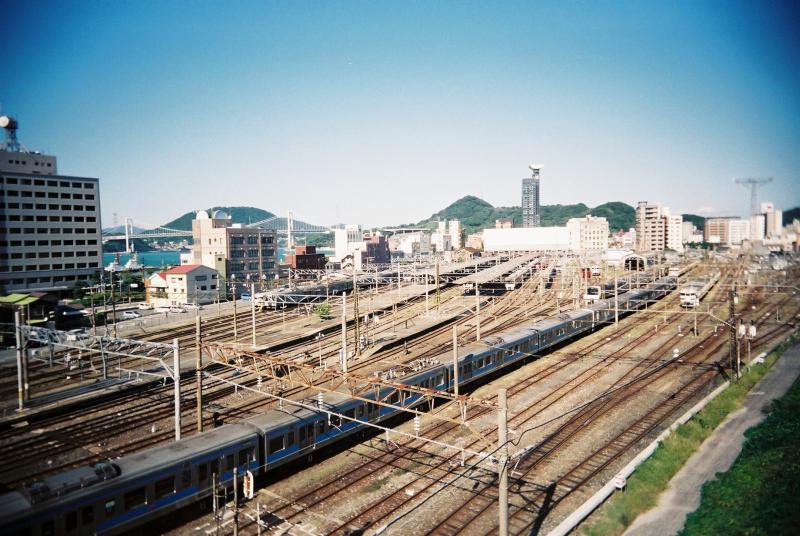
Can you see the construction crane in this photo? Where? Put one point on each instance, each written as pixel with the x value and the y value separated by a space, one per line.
pixel 754 182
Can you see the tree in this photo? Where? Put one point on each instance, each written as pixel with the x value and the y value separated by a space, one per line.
pixel 323 311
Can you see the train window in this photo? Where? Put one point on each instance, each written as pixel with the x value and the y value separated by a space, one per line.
pixel 71 521
pixel 49 528
pixel 371 408
pixel 213 466
pixel 439 379
pixel 165 486
pixel 350 413
pixel 276 444
pixel 244 456
pixel 229 460
pixel 186 476
pixel 335 420
pixel 110 508
pixel 361 411
pixel 394 397
pixel 202 472
pixel 134 498
pixel 301 432
pixel 320 427
pixel 87 516
pixel 290 438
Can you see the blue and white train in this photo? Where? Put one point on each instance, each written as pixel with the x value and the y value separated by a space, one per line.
pixel 118 495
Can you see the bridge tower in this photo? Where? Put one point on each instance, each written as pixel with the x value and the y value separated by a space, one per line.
pixel 289 229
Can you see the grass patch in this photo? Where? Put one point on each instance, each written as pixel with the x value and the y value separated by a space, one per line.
pixel 652 477
pixel 760 493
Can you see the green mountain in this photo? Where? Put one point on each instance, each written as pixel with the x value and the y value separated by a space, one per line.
pixel 476 214
pixel 790 215
pixel 238 214
pixel 698 221
pixel 619 215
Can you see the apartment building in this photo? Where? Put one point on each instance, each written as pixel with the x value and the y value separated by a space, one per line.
pixel 242 255
pixel 588 233
pixel 650 228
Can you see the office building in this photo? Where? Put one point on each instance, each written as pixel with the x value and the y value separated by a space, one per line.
pixel 241 255
pixel 530 198
pixel 306 258
pixel 50 232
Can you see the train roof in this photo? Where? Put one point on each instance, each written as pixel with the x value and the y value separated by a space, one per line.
pixel 292 414
pixel 87 479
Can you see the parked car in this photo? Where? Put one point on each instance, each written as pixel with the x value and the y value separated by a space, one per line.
pixel 175 309
pixel 130 314
pixel 193 306
pixel 246 297
pixel 145 306
pixel 162 309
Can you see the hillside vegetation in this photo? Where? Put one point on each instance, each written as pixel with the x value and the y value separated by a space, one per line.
pixel 238 214
pixel 475 214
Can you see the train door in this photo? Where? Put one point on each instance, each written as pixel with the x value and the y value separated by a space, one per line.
pixel 305 435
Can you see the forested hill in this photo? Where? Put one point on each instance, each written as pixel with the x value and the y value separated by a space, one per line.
pixel 475 214
pixel 238 214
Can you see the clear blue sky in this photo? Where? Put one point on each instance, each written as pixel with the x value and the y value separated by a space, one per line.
pixel 384 112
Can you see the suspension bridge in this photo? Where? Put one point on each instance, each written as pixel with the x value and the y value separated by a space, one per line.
pixel 282 224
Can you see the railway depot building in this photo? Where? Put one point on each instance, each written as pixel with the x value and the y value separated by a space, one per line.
pixel 50 237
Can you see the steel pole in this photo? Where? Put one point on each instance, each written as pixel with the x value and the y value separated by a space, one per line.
pixel 477 313
pixel 344 333
pixel 502 430
pixel 176 373
pixel 455 361
pixel 20 385
pixel 253 309
pixel 199 372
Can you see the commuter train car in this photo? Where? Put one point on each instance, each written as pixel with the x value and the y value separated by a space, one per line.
pixel 692 292
pixel 113 497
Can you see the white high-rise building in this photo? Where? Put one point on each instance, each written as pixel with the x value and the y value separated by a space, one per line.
pixel 674 234
pixel 530 198
pixel 347 241
pixel 588 234
pixel 454 227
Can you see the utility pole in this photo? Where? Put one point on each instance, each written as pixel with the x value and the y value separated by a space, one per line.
pixel 455 360
pixel 477 313
pixel 176 372
pixel 235 501
pixel 437 285
pixel 235 325
pixel 199 372
pixel 344 333
pixel 502 432
pixel 20 361
pixel 113 304
pixel 355 313
pixel 732 325
pixel 253 309
pixel 616 301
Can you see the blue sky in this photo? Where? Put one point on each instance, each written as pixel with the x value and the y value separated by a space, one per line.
pixel 385 112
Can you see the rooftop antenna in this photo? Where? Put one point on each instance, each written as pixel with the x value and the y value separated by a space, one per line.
pixel 754 182
pixel 10 125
